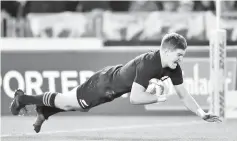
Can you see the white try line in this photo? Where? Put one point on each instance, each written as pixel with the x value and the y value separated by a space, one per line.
pixel 106 128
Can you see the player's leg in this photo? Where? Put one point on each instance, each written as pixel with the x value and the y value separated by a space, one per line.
pixel 67 101
pixel 63 102
pixel 43 113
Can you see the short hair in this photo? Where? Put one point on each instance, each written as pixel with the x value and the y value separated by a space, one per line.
pixel 173 41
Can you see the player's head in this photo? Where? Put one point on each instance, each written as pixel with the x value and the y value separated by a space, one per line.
pixel 173 48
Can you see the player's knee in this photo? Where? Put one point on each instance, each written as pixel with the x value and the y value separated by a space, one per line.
pixel 61 101
pixel 67 102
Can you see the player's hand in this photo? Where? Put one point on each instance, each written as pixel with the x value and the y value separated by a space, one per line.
pixel 211 118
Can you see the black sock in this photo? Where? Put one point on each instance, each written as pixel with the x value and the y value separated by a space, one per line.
pixel 49 111
pixel 46 99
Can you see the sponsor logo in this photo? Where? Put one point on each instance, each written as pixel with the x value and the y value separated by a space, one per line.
pixel 222 75
pixel 83 103
pixel 36 82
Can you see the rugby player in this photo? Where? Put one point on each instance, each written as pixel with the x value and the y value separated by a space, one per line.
pixel 114 81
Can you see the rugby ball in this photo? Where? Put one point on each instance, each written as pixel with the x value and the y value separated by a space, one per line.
pixel 156 87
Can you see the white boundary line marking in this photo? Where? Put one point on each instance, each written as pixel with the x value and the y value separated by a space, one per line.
pixel 105 129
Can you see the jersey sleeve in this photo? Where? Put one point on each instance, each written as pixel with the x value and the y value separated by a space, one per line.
pixel 176 76
pixel 144 73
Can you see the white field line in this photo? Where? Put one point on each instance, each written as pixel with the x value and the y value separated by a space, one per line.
pixel 105 128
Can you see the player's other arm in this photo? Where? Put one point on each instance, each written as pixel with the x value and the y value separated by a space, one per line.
pixel 192 105
pixel 188 100
pixel 139 96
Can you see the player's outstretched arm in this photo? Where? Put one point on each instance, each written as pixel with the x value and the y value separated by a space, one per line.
pixel 192 105
pixel 139 96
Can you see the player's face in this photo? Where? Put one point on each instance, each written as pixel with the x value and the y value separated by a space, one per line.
pixel 174 57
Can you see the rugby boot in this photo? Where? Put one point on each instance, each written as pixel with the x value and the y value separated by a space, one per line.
pixel 16 106
pixel 39 119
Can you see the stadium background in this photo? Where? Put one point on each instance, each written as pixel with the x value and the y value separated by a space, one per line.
pixel 55 45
